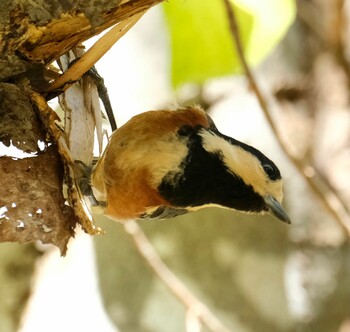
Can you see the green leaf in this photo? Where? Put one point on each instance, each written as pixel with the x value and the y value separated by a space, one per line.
pixel 201 43
pixel 272 19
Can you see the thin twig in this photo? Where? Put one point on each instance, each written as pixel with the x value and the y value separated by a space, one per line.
pixel 340 24
pixel 103 95
pixel 79 68
pixel 326 195
pixel 150 255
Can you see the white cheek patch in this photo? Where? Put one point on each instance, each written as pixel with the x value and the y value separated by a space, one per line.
pixel 243 164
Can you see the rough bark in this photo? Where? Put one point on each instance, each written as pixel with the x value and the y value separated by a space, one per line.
pixel 34 34
pixel 31 200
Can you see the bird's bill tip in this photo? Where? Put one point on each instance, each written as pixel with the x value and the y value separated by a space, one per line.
pixel 275 209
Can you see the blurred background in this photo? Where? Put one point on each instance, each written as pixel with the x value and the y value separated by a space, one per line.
pixel 254 273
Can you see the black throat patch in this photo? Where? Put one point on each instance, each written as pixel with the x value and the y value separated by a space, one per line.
pixel 204 179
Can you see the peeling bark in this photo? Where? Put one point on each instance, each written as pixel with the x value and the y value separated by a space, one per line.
pixel 32 206
pixel 37 35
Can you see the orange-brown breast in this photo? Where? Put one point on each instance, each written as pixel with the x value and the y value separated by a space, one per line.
pixel 128 198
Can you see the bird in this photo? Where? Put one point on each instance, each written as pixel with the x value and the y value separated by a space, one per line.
pixel 164 163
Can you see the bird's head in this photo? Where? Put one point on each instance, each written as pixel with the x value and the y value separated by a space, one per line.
pixel 187 164
pixel 219 170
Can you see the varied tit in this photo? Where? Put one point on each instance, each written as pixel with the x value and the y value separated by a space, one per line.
pixel 165 163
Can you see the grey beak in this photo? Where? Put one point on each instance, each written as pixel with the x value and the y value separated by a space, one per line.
pixel 276 209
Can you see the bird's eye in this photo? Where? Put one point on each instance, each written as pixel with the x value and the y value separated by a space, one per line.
pixel 270 170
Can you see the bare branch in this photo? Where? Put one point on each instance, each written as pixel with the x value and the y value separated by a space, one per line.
pixel 324 193
pixel 340 23
pixel 89 58
pixel 150 255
